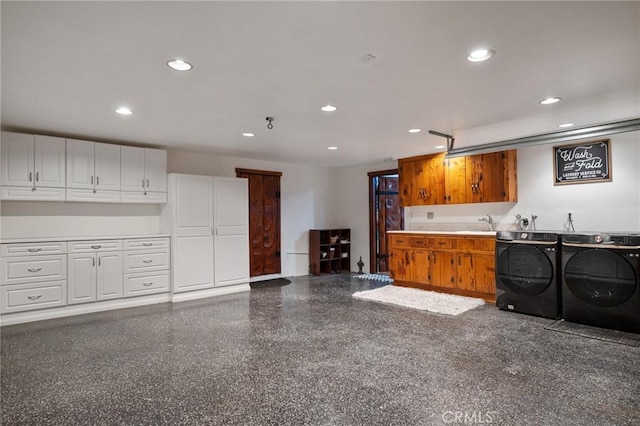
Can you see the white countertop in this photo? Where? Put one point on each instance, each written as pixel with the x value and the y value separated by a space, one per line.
pixel 91 238
pixel 474 233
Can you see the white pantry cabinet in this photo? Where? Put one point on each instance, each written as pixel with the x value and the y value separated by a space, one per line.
pixel 143 175
pixel 33 167
pixel 93 171
pixel 208 220
pixel 95 271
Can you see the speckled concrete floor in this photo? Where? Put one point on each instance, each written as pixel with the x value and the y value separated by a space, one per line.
pixel 308 353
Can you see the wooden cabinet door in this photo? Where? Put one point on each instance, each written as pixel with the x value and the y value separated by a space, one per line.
pixel 475 179
pixel 420 183
pixel 456 182
pixel 132 173
pixel 80 164
pixel 442 269
pixel 465 277
pixel 399 261
pixel 81 279
pixel 436 180
pixel 155 170
pixel 50 160
pixel 484 271
pixel 405 185
pixel 107 166
pixel 420 266
pixel 495 177
pixel 17 159
pixel 109 280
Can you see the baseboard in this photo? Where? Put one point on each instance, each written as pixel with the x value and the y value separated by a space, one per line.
pixel 87 308
pixel 210 292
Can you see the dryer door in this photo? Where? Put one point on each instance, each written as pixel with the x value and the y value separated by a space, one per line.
pixel 524 269
pixel 600 277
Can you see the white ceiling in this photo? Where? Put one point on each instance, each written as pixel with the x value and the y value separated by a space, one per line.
pixel 67 65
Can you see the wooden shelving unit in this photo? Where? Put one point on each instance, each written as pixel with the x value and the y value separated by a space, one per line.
pixel 329 251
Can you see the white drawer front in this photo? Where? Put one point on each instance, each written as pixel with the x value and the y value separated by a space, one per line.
pixel 88 195
pixel 24 297
pixel 141 197
pixel 147 283
pixel 27 269
pixel 146 260
pixel 148 243
pixel 95 245
pixel 27 249
pixel 29 194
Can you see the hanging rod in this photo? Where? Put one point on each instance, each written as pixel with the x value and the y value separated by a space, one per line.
pixel 553 137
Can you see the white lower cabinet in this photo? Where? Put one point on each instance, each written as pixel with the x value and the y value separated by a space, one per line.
pixel 146 283
pixel 94 276
pixel 26 297
pixel 146 266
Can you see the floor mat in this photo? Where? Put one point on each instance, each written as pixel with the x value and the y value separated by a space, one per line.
pixel 276 282
pixel 613 336
pixel 431 301
pixel 376 277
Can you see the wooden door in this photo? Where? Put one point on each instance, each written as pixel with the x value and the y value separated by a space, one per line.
pixel 264 221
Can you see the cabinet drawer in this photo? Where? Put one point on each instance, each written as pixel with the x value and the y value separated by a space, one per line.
pixel 95 245
pixel 465 244
pixel 27 269
pixel 484 244
pixel 147 283
pixel 24 297
pixel 146 260
pixel 399 240
pixel 148 243
pixel 441 243
pixel 418 242
pixel 141 197
pixel 32 194
pixel 29 249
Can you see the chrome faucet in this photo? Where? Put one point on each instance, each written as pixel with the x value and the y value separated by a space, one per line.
pixel 489 221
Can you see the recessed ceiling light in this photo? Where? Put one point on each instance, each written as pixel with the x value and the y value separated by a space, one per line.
pixel 414 130
pixel 179 65
pixel 332 148
pixel 565 125
pixel 480 55
pixel 124 111
pixel 439 146
pixel 248 135
pixel 329 108
pixel 549 101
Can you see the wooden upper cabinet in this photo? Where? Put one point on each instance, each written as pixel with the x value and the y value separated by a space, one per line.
pixel 481 178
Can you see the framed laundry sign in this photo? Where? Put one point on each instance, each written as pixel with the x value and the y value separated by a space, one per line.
pixel 584 162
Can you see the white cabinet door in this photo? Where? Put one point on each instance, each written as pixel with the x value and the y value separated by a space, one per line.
pixel 132 176
pixel 231 223
pixel 109 280
pixel 192 263
pixel 81 278
pixel 193 209
pixel 80 162
pixel 50 160
pixel 107 166
pixel 155 161
pixel 17 159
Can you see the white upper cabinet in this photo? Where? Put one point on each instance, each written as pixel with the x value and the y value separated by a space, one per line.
pixel 144 175
pixel 32 161
pixel 93 165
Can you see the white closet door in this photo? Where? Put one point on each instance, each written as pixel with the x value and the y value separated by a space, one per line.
pixel 193 205
pixel 17 159
pixel 231 239
pixel 155 163
pixel 80 164
pixel 50 160
pixel 107 166
pixel 192 262
pixel 132 169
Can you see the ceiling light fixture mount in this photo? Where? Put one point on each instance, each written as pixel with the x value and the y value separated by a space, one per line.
pixel 270 125
pixel 480 55
pixel 450 139
pixel 179 65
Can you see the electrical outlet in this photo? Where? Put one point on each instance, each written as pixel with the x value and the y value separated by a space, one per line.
pixel 430 215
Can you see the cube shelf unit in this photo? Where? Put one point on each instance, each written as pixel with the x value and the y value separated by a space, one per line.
pixel 329 251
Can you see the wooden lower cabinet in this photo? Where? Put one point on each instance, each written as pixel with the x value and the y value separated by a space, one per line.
pixel 454 264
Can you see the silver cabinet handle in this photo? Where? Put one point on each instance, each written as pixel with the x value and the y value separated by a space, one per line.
pixel 34 297
pixel 99 261
pixel 91 180
pixel 93 261
pixel 96 247
pixel 147 261
pixel 143 183
pixel 147 244
pixel 30 176
pixel 33 250
pixel 147 183
pixel 34 269
pixel 97 180
pixel 147 284
pixel 37 176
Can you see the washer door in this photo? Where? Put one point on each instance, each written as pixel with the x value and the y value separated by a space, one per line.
pixel 524 269
pixel 600 277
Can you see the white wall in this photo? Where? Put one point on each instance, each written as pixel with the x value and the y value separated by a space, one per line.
pixel 306 196
pixel 350 206
pixel 603 206
pixel 26 219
